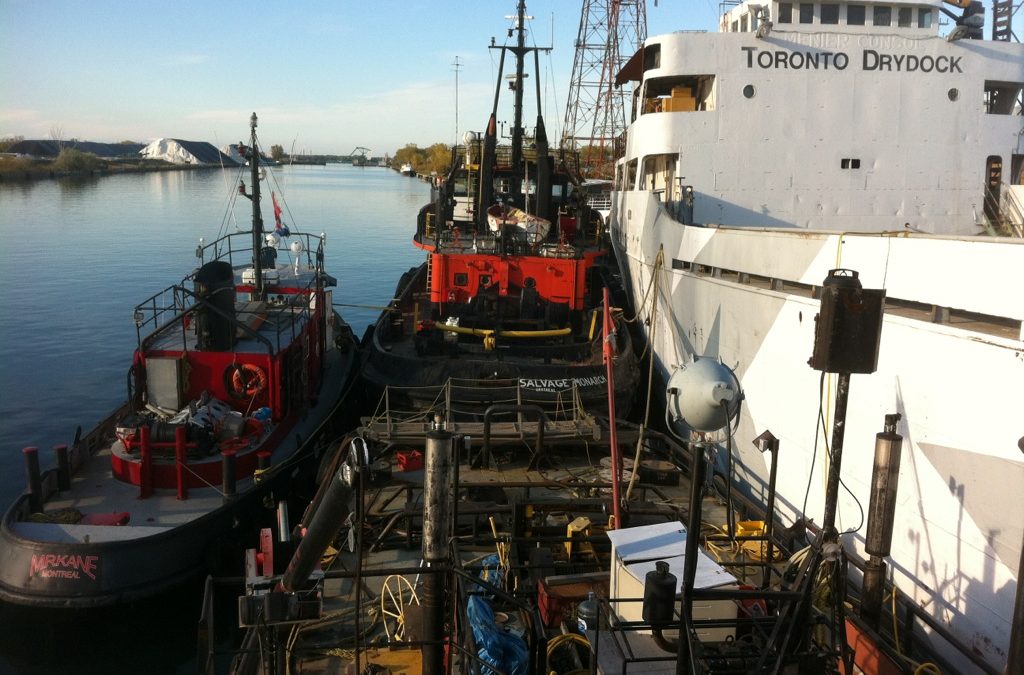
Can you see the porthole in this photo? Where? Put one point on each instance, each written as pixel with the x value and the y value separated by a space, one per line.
pixel 953 94
pixel 748 91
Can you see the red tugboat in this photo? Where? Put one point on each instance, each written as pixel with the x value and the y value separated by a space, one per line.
pixel 237 371
pixel 507 307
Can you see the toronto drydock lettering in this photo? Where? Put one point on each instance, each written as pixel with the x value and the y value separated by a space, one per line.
pixel 871 61
pixel 51 566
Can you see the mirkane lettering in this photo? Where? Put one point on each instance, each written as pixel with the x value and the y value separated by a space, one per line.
pixel 64 566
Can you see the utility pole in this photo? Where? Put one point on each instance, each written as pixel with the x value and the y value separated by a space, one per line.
pixel 456 67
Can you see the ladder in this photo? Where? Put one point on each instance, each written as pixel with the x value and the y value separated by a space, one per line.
pixel 1002 15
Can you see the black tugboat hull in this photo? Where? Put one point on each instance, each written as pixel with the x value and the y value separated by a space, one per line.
pixel 476 379
pixel 47 565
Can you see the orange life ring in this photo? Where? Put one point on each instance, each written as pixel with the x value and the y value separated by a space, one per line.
pixel 247 380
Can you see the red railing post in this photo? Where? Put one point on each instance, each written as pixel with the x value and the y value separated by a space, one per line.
pixel 609 356
pixel 146 467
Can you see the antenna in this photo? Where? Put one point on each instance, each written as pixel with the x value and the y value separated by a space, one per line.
pixel 456 67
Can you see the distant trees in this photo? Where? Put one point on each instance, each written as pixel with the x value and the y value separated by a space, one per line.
pixel 276 153
pixel 7 141
pixel 434 159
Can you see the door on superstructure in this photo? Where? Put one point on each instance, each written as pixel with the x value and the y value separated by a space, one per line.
pixel 993 186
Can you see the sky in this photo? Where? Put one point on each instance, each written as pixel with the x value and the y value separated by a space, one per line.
pixel 323 76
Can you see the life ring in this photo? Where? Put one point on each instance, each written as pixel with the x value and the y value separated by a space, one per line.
pixel 244 380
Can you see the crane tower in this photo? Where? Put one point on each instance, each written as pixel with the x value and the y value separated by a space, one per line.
pixel 610 32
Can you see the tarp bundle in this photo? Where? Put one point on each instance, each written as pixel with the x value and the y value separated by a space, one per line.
pixel 505 651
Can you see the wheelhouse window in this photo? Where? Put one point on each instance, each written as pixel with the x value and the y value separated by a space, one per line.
pixel 785 12
pixel 688 93
pixel 924 17
pixel 904 17
pixel 806 12
pixel 855 15
pixel 882 16
pixel 829 13
pixel 630 175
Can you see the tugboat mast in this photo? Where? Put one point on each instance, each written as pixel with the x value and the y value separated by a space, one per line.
pixel 257 217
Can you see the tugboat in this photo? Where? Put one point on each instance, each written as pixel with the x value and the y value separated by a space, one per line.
pixel 507 307
pixel 235 375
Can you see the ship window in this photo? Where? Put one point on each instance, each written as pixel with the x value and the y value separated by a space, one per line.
pixel 849 163
pixel 1001 97
pixel 630 175
pixel 953 94
pixel 806 12
pixel 855 15
pixel 652 57
pixel 461 279
pixel 735 26
pixel 882 16
pixel 485 280
pixel 829 13
pixel 744 22
pixel 748 91
pixel 904 17
pixel 785 12
pixel 924 17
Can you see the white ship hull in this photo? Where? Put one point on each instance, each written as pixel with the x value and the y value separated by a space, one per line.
pixel 951 360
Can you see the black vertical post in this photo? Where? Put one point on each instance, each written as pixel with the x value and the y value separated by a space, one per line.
pixel 697 468
pixel 828 528
pixel 228 479
pixel 35 484
pixel 63 467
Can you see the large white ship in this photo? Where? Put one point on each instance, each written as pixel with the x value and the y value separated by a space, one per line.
pixel 804 137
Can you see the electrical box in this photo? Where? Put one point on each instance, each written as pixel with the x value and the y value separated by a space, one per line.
pixel 635 551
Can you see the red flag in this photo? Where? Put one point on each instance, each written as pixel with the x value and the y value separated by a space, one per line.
pixel 277 212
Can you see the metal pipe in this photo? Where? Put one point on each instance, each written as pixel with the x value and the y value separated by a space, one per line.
pixel 35 483
pixel 323 525
pixel 485 450
pixel 436 468
pixel 229 481
pixel 838 433
pixel 284 534
pixel 767 441
pixel 881 514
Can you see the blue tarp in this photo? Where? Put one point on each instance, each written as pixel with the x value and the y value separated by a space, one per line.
pixel 505 651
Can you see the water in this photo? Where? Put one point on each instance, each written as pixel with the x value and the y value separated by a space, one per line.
pixel 78 254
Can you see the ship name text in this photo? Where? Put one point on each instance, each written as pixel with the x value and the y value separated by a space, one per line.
pixel 51 566
pixel 871 60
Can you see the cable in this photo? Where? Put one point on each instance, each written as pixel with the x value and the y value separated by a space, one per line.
pixel 814 455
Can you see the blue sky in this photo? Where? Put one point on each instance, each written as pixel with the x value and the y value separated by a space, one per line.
pixel 326 76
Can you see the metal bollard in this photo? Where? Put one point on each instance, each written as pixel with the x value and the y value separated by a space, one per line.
pixel 63 467
pixel 35 484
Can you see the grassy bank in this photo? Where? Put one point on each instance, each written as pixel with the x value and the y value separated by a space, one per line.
pixel 23 168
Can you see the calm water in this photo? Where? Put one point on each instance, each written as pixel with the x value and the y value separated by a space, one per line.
pixel 75 258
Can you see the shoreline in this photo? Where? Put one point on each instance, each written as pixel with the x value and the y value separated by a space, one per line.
pixel 45 172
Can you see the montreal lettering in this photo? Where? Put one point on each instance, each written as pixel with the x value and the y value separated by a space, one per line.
pixel 871 61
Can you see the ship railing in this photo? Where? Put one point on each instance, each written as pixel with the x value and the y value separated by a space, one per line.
pixel 176 304
pixel 236 248
pixel 458 399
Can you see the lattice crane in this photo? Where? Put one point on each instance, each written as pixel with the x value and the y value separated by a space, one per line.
pixel 610 32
